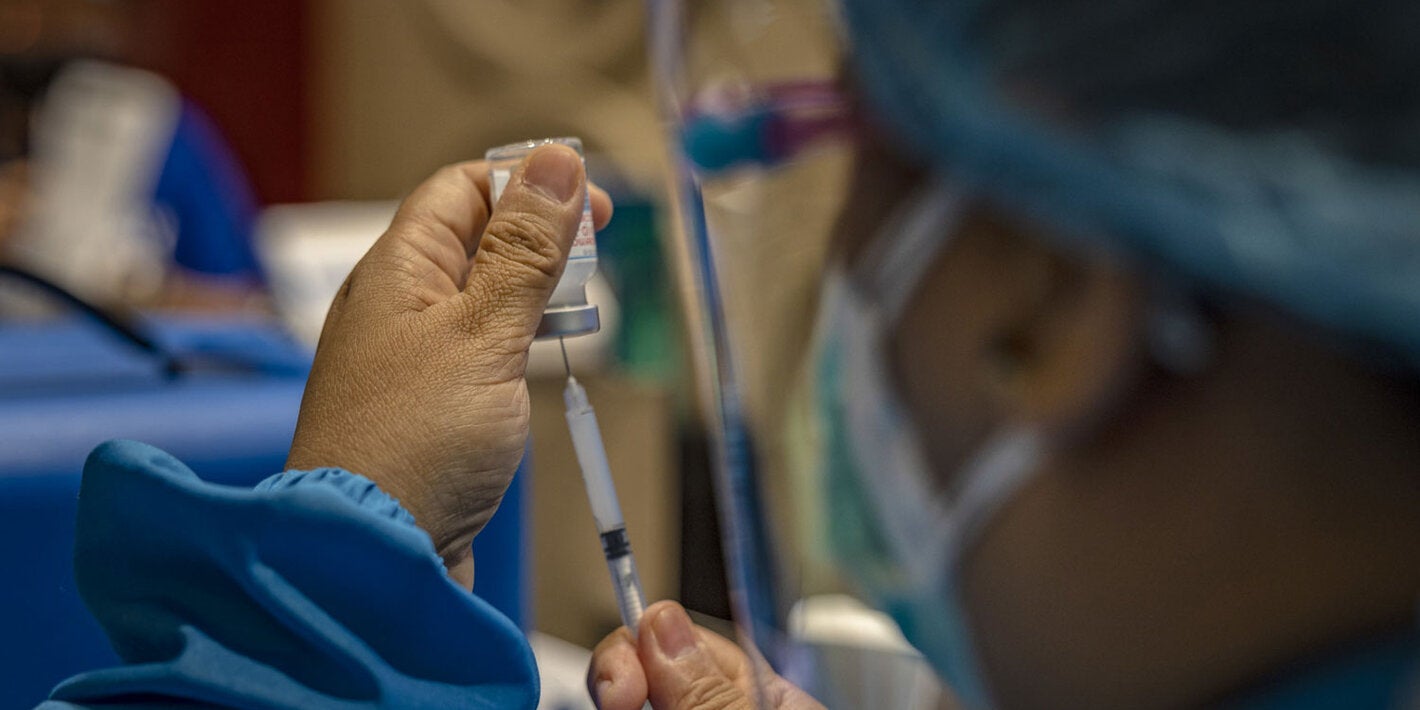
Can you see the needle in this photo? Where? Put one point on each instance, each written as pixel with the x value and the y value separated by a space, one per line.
pixel 565 363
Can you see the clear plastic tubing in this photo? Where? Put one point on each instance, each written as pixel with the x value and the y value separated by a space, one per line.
pixel 568 312
pixel 596 475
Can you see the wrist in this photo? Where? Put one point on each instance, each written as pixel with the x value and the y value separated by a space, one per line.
pixel 305 461
pixel 451 505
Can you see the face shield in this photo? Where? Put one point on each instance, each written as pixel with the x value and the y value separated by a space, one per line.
pixel 765 137
pixel 1165 138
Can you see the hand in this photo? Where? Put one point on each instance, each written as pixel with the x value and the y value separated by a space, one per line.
pixel 677 665
pixel 418 377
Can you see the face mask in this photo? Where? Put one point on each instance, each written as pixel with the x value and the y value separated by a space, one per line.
pixel 900 540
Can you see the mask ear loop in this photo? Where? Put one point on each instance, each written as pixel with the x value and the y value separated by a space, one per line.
pixel 897 258
pixel 893 266
pixel 931 533
pixel 885 275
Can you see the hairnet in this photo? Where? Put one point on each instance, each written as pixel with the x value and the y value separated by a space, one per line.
pixel 1266 147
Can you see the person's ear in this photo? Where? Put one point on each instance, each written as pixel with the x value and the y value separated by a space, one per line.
pixel 1008 327
pixel 1073 335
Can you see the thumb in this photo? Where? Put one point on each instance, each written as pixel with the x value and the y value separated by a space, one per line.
pixel 682 671
pixel 525 245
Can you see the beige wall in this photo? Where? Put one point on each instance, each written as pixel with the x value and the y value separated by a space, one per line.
pixel 404 86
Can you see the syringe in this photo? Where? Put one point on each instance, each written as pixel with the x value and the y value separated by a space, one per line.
pixel 596 475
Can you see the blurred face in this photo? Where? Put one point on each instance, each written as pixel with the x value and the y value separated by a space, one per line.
pixel 1004 329
pixel 1007 328
pixel 1168 549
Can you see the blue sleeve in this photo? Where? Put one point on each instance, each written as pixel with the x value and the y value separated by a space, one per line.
pixel 313 590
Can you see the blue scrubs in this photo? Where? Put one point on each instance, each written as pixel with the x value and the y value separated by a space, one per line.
pixel 312 590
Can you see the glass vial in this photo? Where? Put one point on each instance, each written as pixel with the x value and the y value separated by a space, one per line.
pixel 568 312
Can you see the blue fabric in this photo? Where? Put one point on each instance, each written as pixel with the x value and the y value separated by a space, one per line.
pixel 313 590
pixel 75 355
pixel 1380 675
pixel 66 386
pixel 203 187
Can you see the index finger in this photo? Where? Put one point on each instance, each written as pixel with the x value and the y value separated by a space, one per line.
pixel 615 679
pixel 601 206
pixel 453 205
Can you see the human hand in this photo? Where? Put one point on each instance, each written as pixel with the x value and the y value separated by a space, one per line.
pixel 677 665
pixel 418 377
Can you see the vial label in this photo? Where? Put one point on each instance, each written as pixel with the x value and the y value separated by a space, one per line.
pixel 500 181
pixel 585 245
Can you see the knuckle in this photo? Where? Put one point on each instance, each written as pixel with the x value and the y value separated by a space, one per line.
pixel 528 240
pixel 363 277
pixel 711 693
pixel 417 222
pixel 490 324
pixel 450 172
pixel 381 273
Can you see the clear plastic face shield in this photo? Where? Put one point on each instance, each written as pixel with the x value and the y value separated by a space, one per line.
pixel 1117 125
pixel 765 138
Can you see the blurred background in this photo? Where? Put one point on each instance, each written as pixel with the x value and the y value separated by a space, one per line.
pixel 184 185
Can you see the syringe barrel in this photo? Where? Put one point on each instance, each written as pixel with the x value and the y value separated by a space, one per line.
pixel 596 475
pixel 625 580
pixel 591 456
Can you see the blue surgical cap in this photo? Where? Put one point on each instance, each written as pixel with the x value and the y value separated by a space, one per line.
pixel 1266 147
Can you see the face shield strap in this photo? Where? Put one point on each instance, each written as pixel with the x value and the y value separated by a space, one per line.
pixel 896 260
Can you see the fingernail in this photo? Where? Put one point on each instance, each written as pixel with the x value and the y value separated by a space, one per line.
pixel 674 634
pixel 603 685
pixel 553 172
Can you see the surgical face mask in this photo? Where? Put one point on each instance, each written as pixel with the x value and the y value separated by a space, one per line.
pixel 901 538
pixel 897 537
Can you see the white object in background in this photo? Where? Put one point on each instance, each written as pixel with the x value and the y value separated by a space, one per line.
pixel 100 139
pixel 864 659
pixel 562 667
pixel 307 250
